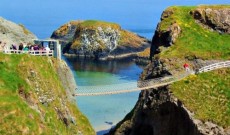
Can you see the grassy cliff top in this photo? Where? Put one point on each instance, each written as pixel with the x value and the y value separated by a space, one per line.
pixel 126 38
pixel 95 24
pixel 24 80
pixel 207 95
pixel 195 40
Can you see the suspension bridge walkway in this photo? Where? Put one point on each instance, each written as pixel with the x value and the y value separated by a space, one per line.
pixel 142 85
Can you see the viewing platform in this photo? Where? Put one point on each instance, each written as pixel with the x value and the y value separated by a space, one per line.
pixel 36 53
pixel 48 47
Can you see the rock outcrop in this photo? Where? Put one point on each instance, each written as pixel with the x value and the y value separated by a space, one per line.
pixel 66 32
pixel 165 37
pixel 12 33
pixel 100 40
pixel 161 111
pixel 215 19
pixel 157 112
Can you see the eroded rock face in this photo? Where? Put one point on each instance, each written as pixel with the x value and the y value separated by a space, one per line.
pixel 66 32
pixel 165 38
pixel 100 40
pixel 157 113
pixel 94 41
pixel 216 19
pixel 12 33
pixel 154 70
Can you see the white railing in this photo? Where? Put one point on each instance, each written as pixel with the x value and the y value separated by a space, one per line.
pixel 35 52
pixel 214 66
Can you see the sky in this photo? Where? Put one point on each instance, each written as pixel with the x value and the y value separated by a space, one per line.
pixel 42 17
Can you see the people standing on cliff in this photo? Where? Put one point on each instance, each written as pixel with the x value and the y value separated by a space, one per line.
pixel 20 47
pixel 47 49
pixel 1 47
pixel 26 48
pixel 186 67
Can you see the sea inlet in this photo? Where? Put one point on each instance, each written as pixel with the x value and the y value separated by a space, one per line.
pixel 105 111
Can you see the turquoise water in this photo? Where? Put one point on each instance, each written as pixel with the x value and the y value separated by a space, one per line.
pixel 105 111
pixel 141 17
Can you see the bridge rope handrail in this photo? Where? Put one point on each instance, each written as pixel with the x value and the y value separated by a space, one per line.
pixel 157 82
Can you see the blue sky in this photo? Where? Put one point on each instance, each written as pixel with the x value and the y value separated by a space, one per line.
pixel 42 18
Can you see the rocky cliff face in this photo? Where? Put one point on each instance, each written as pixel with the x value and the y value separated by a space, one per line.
pixel 165 37
pixel 66 32
pixel 159 111
pixel 99 40
pixel 215 19
pixel 173 25
pixel 93 41
pixel 12 33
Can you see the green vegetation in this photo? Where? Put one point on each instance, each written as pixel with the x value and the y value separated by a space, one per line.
pixel 145 53
pixel 207 94
pixel 93 24
pixel 126 38
pixel 194 39
pixel 24 29
pixel 130 39
pixel 20 109
pixel 64 29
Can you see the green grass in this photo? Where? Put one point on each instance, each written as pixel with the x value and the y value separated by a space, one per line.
pixel 207 95
pixel 95 23
pixel 126 38
pixel 194 39
pixel 17 117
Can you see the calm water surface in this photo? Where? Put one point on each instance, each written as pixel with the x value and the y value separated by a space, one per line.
pixel 105 111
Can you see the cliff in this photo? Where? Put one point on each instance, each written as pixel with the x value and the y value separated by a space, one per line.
pixel 198 104
pixel 99 39
pixel 12 33
pixel 35 91
pixel 34 99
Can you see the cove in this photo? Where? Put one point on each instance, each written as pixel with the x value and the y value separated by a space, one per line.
pixel 105 111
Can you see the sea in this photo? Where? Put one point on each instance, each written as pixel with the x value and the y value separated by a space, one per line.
pixel 138 16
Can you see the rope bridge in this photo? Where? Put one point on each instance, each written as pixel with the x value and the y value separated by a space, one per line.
pixel 142 85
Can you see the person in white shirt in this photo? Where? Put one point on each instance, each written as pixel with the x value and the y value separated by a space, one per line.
pixel 47 50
